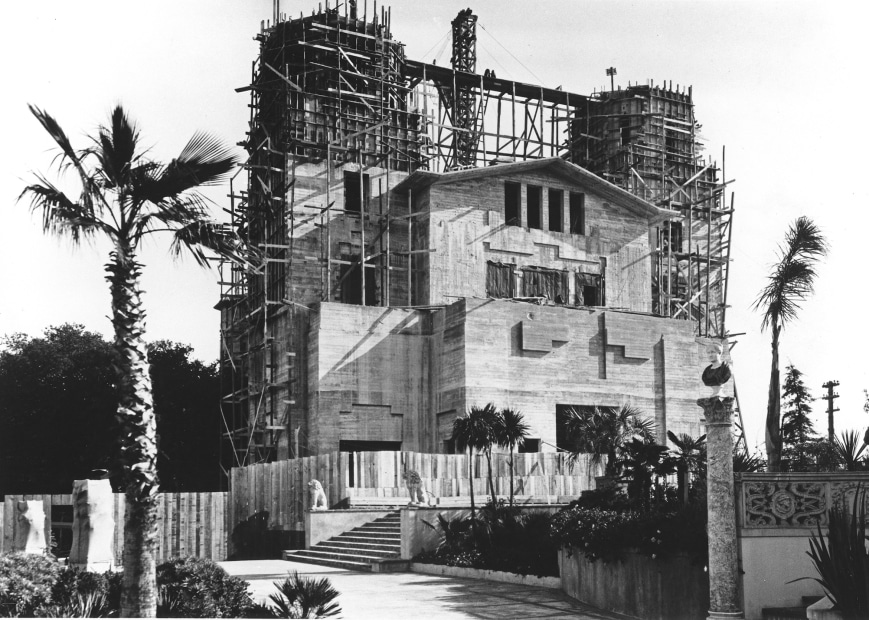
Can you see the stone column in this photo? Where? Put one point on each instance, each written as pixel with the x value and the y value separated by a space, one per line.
pixel 93 526
pixel 29 536
pixel 723 567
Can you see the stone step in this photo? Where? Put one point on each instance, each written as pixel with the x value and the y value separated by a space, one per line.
pixel 294 556
pixel 370 540
pixel 363 533
pixel 339 555
pixel 339 541
pixel 375 527
pixel 361 552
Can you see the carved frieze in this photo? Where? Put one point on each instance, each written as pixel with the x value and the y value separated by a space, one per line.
pixel 784 504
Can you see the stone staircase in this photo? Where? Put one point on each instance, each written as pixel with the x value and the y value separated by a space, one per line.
pixel 357 549
pixel 789 613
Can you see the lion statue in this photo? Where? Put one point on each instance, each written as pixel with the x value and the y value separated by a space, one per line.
pixel 418 493
pixel 318 498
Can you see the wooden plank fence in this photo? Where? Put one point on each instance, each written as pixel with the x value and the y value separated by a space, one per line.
pixel 273 497
pixel 188 523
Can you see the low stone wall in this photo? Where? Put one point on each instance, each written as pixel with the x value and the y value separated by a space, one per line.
pixel 664 589
pixel 486 575
pixel 322 525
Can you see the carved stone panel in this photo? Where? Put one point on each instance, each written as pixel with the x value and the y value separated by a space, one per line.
pixel 784 504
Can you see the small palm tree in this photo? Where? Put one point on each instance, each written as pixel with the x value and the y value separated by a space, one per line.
pixel 687 460
pixel 126 197
pixel 603 431
pixel 848 447
pixel 792 280
pixel 475 431
pixel 305 597
pixel 510 433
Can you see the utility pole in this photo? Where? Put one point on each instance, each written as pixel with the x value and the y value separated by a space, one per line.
pixel 612 72
pixel 831 395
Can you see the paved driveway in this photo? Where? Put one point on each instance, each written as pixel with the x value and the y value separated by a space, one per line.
pixel 409 595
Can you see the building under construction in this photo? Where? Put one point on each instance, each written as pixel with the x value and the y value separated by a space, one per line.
pixel 430 238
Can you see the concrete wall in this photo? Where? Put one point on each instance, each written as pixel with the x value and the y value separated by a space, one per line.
pixel 322 525
pixel 466 228
pixel 404 375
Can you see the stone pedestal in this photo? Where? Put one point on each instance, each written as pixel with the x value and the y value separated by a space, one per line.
pixel 29 536
pixel 723 566
pixel 93 526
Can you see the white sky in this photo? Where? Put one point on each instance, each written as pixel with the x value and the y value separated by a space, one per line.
pixel 781 84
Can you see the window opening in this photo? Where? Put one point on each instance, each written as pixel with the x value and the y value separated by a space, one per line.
pixel 530 445
pixel 351 283
pixel 512 204
pixel 556 210
pixel 577 213
pixel 535 198
pixel 548 283
pixel 351 191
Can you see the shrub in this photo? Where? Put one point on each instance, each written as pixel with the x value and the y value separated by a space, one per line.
pixel 82 594
pixel 26 581
pixel 303 597
pixel 842 560
pixel 197 588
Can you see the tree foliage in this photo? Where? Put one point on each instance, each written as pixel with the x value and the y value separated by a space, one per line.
pixel 796 424
pixel 57 413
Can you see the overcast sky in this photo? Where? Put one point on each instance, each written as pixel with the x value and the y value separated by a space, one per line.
pixel 780 84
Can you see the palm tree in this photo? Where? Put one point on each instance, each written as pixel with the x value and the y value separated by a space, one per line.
pixel 687 460
pixel 125 197
pixel 848 447
pixel 475 431
pixel 511 432
pixel 792 280
pixel 603 431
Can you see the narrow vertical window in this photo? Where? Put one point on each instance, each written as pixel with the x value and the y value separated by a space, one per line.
pixel 513 204
pixel 556 210
pixel 577 213
pixel 535 200
pixel 354 200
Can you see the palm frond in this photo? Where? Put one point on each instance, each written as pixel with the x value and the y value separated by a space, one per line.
pixel 205 160
pixel 219 238
pixel 511 430
pixel 116 147
pixel 60 215
pixel 793 276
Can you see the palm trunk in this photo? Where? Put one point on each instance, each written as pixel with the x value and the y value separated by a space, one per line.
pixel 773 409
pixel 138 437
pixel 471 481
pixel 511 476
pixel 491 482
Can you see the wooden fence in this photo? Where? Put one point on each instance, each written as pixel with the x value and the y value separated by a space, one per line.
pixel 188 523
pixel 273 497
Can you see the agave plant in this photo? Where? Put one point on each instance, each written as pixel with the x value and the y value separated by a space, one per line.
pixel 842 560
pixel 848 447
pixel 304 597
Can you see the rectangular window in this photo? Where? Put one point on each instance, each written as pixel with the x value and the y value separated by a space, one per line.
pixel 556 210
pixel 589 289
pixel 577 213
pixel 350 277
pixel 548 283
pixel 529 446
pixel 352 202
pixel 499 280
pixel 535 200
pixel 513 204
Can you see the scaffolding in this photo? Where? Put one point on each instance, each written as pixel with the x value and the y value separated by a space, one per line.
pixel 333 91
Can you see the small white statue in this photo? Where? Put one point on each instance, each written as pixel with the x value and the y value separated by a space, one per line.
pixel 93 526
pixel 416 490
pixel 318 497
pixel 30 527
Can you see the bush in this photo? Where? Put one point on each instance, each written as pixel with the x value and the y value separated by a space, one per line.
pixel 82 594
pixel 26 581
pixel 197 588
pixel 607 534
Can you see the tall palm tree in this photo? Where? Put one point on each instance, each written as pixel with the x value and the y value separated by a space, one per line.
pixel 511 432
pixel 126 197
pixel 604 431
pixel 792 280
pixel 475 431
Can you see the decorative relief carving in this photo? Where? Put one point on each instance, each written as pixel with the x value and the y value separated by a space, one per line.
pixel 784 504
pixel 842 494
